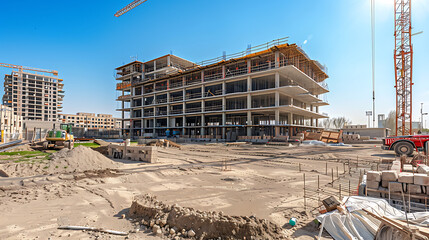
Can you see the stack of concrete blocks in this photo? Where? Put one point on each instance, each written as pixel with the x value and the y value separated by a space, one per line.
pixel 406 182
pixel 136 153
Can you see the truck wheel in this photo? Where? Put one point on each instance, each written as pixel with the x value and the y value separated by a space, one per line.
pixel 66 144
pixel 45 145
pixel 404 148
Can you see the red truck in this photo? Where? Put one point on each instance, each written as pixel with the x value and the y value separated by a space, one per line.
pixel 405 145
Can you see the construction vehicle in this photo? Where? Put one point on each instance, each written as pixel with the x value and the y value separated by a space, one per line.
pixel 405 145
pixel 62 137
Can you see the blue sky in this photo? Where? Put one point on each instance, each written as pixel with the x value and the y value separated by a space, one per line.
pixel 85 42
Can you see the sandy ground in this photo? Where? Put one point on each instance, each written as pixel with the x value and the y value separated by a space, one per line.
pixel 260 180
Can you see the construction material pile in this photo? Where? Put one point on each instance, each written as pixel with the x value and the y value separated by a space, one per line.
pixel 163 143
pixel 181 222
pixel 395 182
pixel 78 159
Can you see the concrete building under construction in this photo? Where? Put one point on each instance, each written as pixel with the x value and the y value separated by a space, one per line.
pixel 268 90
pixel 34 96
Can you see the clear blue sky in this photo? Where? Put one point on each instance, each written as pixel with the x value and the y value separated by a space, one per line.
pixel 85 42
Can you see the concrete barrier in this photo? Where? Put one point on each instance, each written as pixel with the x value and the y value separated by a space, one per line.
pixel 136 153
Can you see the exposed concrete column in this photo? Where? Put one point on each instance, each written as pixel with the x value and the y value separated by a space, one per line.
pixel 290 118
pixel 202 76
pixel 168 60
pixel 184 95
pixel 277 98
pixel 277 79
pixel 223 124
pixel 249 84
pixel 223 88
pixel 184 124
pixel 249 101
pixel 291 101
pixel 277 121
pixel 203 124
pixel 223 104
pixel 203 106
pixel 317 122
pixel 168 119
pixel 249 122
pixel 203 92
pixel 154 65
pixel 277 58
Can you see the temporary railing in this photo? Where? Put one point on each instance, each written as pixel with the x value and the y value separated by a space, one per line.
pixel 148 114
pixel 175 85
pixel 162 100
pixel 215 93
pixel 193 95
pixel 176 98
pixel 248 51
pixel 176 111
pixel 213 108
pixel 193 110
pixel 211 77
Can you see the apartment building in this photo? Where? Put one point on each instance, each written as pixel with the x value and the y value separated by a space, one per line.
pixel 33 96
pixel 268 90
pixel 91 120
pixel 10 125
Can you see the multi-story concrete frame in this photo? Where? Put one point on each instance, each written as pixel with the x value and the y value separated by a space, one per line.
pixel 276 91
pixel 34 96
pixel 90 120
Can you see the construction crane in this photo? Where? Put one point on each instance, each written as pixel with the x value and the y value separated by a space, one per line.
pixel 130 6
pixel 403 56
pixel 20 75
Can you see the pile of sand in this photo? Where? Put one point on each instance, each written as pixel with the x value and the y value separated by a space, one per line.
pixel 78 159
pixel 174 221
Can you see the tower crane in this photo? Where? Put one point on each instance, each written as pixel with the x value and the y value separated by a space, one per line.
pixel 403 56
pixel 130 6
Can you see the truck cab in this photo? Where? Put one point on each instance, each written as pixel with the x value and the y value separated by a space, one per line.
pixel 405 145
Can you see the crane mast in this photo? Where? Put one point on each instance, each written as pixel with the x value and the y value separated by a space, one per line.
pixel 403 56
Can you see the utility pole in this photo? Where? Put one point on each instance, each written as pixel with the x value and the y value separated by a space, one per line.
pixel 373 59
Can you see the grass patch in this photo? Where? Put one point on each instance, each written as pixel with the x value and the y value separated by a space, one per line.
pixel 20 153
pixel 26 156
pixel 91 145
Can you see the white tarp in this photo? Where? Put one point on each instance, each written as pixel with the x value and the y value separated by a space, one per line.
pixel 358 225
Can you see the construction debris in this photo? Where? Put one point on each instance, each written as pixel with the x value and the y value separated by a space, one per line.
pixel 199 224
pixel 93 229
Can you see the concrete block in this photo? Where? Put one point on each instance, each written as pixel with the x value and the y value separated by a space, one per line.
pixel 372 184
pixel 395 187
pixel 385 184
pixel 405 177
pixel 407 168
pixel 421 179
pixel 414 189
pixel 389 175
pixel 423 169
pixel 374 176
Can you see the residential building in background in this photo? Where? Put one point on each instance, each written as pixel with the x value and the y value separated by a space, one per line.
pixel 268 90
pixel 34 96
pixel 10 125
pixel 91 120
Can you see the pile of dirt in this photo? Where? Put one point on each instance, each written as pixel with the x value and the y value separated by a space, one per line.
pixel 78 159
pixel 174 221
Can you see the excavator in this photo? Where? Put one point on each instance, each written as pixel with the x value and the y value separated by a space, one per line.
pixel 62 137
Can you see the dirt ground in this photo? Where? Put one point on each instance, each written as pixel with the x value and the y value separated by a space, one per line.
pixel 244 180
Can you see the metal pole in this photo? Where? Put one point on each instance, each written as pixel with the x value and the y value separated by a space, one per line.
pixel 326 168
pixel 305 201
pixel 339 189
pixel 344 168
pixel 337 173
pixel 332 175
